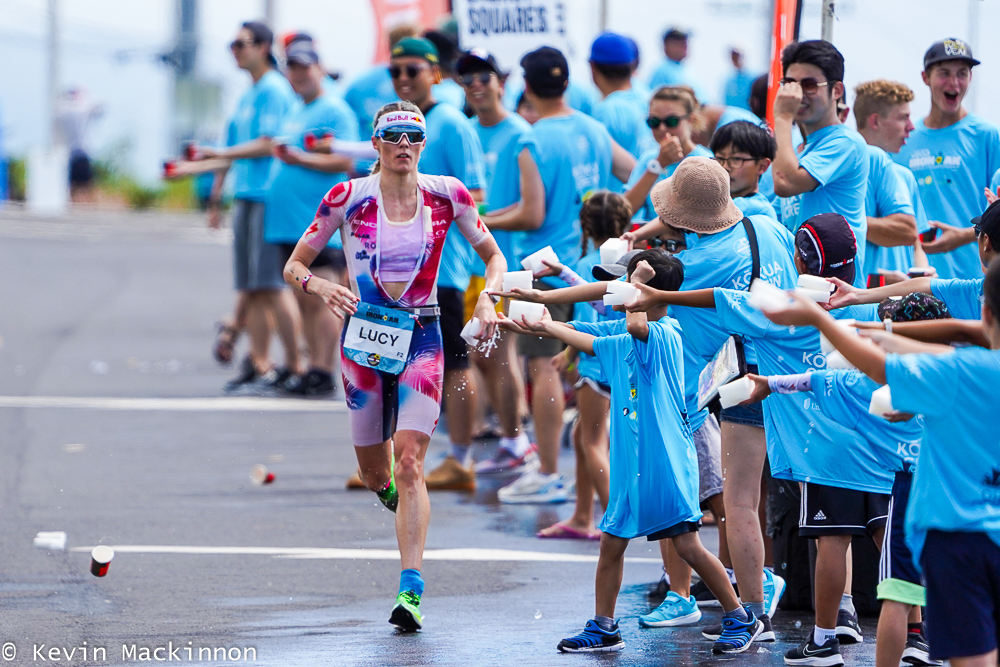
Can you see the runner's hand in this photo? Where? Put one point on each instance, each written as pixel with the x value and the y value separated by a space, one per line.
pixel 487 314
pixel 761 389
pixel 337 298
pixel 846 295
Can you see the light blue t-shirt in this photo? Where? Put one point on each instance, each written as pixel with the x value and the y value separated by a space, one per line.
pixel 450 92
pixel 671 73
pixel 956 487
pixel 647 212
pixel 803 444
pixel 573 155
pixel 501 145
pixel 887 194
pixel 737 90
pixel 844 397
pixel 953 165
pixel 453 149
pixel 964 298
pixel 654 465
pixel 837 157
pixel 368 93
pixel 294 192
pixel 624 113
pixel 755 204
pixel 900 256
pixel 259 113
pixel 586 316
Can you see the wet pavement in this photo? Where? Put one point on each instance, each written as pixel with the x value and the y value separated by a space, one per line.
pixel 298 572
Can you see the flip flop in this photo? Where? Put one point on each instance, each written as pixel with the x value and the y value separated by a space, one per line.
pixel 564 532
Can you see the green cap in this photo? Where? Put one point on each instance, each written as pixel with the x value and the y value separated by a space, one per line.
pixel 416 46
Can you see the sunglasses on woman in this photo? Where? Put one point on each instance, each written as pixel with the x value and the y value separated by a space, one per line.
pixel 392 136
pixel 809 84
pixel 412 71
pixel 670 121
pixel 482 77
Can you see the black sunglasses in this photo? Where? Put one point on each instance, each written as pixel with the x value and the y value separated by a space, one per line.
pixel 412 71
pixel 482 77
pixel 670 121
pixel 809 84
pixel 734 162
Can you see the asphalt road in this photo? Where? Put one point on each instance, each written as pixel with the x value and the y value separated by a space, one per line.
pixel 299 572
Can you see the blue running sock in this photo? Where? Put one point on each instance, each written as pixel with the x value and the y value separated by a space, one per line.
pixel 756 607
pixel 410 580
pixel 740 614
pixel 604 622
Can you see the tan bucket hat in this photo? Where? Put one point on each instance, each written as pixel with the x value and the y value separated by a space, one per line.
pixel 696 197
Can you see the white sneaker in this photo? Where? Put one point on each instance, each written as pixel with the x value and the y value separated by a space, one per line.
pixel 534 487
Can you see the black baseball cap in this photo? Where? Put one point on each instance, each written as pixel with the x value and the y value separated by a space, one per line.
pixel 827 245
pixel 989 223
pixel 949 49
pixel 262 35
pixel 301 53
pixel 674 32
pixel 546 71
pixel 616 270
pixel 476 60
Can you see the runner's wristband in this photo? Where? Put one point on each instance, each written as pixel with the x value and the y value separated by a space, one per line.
pixel 305 282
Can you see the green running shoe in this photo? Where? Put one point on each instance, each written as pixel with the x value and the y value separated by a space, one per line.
pixel 389 495
pixel 406 613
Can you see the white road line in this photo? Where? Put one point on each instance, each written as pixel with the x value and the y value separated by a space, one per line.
pixel 210 404
pixel 313 553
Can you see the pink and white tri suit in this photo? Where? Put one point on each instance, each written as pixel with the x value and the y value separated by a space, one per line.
pixel 370 242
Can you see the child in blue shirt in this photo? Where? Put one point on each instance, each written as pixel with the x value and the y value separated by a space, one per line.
pixel 654 468
pixel 953 521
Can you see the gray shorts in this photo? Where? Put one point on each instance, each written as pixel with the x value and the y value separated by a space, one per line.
pixel 257 264
pixel 708 443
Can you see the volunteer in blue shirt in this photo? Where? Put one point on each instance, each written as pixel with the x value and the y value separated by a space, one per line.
pixel 953 520
pixel 674 114
pixel 830 175
pixel 737 90
pixel 448 90
pixel 882 111
pixel 500 134
pixel 256 121
pixel 745 151
pixel 622 109
pixel 571 156
pixel 452 149
pixel 953 154
pixel 372 90
pixel 672 71
pixel 299 179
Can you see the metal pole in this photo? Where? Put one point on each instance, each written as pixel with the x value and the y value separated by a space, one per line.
pixel 53 73
pixel 826 31
pixel 269 13
pixel 604 15
pixel 974 7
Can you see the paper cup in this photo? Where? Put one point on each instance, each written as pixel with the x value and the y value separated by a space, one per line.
pixel 259 474
pixel 100 560
pixel 816 295
pixel 836 361
pixel 881 403
pixel 532 312
pixel 620 294
pixel 612 250
pixel 806 281
pixel 472 329
pixel 54 540
pixel 735 392
pixel 513 279
pixel 533 262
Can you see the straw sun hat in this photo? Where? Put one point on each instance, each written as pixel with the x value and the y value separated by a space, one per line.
pixel 696 197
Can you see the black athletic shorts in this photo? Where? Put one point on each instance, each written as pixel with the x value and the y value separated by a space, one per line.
pixel 831 510
pixel 452 304
pixel 80 171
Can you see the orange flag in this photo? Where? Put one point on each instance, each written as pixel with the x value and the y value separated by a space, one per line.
pixel 784 32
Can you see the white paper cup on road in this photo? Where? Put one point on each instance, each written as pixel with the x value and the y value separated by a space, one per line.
pixel 735 392
pixel 765 296
pixel 805 281
pixel 881 403
pixel 259 474
pixel 533 262
pixel 472 329
pixel 100 560
pixel 513 279
pixel 612 250
pixel 532 312
pixel 54 540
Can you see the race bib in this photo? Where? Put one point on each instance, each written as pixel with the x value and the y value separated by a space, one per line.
pixel 379 338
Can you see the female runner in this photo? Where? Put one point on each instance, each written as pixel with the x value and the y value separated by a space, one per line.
pixel 393 225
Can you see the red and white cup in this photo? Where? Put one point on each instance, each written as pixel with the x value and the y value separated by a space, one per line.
pixel 169 169
pixel 309 141
pixel 100 560
pixel 260 475
pixel 191 151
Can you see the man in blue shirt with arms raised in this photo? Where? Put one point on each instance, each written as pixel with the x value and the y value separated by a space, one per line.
pixel 831 173
pixel 953 154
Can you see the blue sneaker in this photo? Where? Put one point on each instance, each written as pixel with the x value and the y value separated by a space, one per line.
pixel 593 639
pixel 774 588
pixel 737 636
pixel 675 610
